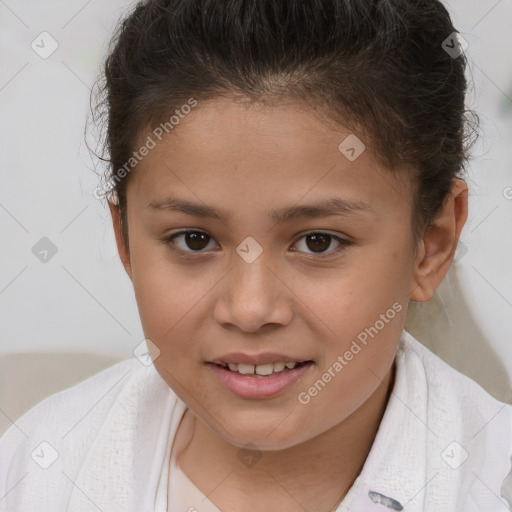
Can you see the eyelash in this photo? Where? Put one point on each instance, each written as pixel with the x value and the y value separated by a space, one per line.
pixel 169 241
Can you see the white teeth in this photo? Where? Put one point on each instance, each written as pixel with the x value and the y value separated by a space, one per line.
pixel 245 368
pixel 260 369
pixel 279 367
pixel 265 369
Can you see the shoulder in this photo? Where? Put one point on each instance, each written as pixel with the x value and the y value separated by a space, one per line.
pixel 454 399
pixel 72 412
pixel 443 379
pixel 469 432
pixel 443 427
pixel 96 440
pixel 111 381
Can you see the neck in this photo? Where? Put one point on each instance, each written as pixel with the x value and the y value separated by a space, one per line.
pixel 314 475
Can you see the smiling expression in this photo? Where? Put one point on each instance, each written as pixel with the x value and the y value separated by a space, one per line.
pixel 251 233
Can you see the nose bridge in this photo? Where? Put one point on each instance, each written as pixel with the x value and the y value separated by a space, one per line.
pixel 253 295
pixel 252 279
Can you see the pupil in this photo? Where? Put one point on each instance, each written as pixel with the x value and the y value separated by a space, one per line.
pixel 193 240
pixel 319 241
pixel 196 241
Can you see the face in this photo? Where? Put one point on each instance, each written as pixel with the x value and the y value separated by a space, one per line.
pixel 326 287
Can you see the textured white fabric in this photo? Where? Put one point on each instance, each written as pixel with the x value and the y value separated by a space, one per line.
pixel 113 434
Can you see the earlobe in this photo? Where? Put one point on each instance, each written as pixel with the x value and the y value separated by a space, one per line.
pixel 123 251
pixel 437 248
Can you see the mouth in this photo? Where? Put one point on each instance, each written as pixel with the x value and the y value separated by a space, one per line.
pixel 260 381
pixel 262 370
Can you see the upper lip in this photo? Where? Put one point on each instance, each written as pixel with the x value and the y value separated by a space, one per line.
pixel 256 359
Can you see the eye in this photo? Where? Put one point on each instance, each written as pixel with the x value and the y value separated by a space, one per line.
pixel 319 241
pixel 196 241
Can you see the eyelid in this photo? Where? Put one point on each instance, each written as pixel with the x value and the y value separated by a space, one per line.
pixel 344 242
pixel 169 241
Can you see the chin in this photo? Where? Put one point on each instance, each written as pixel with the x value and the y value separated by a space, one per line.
pixel 257 435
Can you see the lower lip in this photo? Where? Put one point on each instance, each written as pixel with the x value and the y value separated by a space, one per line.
pixel 254 387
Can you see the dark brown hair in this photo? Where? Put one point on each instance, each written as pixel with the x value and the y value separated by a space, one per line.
pixel 380 67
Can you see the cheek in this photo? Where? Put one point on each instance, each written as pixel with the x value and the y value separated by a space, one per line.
pixel 169 303
pixel 168 297
pixel 354 296
pixel 364 321
pixel 362 311
pixel 348 384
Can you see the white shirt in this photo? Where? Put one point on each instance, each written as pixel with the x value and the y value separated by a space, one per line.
pixel 444 445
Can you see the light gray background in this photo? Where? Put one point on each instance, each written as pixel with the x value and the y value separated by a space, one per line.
pixel 81 299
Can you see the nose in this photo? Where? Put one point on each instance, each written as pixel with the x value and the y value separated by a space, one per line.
pixel 254 297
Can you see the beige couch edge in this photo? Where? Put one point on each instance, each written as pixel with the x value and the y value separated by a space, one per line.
pixel 28 378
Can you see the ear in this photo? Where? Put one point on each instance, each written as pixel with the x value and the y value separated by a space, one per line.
pixel 437 247
pixel 124 252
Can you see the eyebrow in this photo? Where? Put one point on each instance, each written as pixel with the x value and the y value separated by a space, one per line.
pixel 325 208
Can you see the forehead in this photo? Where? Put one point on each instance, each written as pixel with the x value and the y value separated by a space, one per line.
pixel 289 129
pixel 279 153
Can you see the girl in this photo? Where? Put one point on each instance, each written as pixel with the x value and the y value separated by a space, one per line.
pixel 285 176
